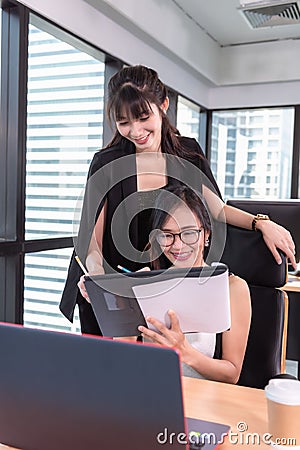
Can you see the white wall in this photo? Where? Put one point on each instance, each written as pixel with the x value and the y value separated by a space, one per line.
pixel 268 94
pixel 261 62
pixel 165 24
pixel 155 33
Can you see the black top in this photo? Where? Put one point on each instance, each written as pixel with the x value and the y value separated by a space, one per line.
pixel 146 202
pixel 112 179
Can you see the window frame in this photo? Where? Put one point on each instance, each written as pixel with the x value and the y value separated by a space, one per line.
pixel 12 168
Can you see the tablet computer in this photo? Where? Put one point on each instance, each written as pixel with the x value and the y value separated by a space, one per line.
pixel 199 296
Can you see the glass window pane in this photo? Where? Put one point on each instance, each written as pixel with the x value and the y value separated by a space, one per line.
pixel 44 280
pixel 0 49
pixel 256 152
pixel 188 118
pixel 64 127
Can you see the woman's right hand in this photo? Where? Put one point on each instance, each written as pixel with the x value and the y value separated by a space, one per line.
pixel 82 289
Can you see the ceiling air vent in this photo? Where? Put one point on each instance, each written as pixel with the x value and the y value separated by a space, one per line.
pixel 270 13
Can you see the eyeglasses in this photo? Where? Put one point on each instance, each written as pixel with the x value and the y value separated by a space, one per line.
pixel 188 237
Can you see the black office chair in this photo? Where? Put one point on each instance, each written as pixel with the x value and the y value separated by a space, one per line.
pixel 247 255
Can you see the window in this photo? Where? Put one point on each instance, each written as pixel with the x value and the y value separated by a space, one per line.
pixel 231 145
pixel 229 179
pixel 255 156
pixel 45 274
pixel 255 132
pixel 232 133
pixel 229 192
pixel 254 143
pixel 64 129
pixel 230 156
pixel 255 119
pixel 229 167
pixel 188 118
pixel 251 168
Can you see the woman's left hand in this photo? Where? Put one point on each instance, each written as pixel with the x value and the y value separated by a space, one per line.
pixel 277 237
pixel 169 337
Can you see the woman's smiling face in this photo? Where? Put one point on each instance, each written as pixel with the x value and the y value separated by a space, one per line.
pixel 144 131
pixel 182 219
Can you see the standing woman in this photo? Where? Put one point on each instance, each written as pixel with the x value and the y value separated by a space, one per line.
pixel 146 154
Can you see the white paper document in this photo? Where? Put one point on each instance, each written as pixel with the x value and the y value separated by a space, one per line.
pixel 202 304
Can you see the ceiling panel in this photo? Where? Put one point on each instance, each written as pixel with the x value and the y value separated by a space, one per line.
pixel 225 23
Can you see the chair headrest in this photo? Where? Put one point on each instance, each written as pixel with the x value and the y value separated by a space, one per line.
pixel 247 256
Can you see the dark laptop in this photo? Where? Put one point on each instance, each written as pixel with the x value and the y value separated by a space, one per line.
pixel 60 391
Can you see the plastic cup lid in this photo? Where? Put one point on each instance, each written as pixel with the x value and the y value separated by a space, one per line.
pixel 284 391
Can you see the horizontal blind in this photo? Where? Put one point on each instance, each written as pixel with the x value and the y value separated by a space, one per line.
pixel 64 129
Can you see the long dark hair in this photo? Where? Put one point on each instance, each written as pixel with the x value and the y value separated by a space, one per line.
pixel 165 204
pixel 132 90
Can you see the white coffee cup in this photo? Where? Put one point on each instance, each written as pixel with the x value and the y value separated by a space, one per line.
pixel 283 399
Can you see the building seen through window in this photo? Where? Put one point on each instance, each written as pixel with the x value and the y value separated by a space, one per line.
pixel 188 118
pixel 249 148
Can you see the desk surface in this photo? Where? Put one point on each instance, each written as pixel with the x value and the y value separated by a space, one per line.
pixel 240 407
pixel 237 406
pixel 293 284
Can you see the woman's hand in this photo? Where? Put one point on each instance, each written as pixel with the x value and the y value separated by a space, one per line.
pixel 82 289
pixel 81 285
pixel 276 236
pixel 169 337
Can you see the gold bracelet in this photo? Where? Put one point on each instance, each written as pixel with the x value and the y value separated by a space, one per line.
pixel 258 217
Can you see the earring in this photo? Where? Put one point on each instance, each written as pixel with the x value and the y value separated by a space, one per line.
pixel 206 244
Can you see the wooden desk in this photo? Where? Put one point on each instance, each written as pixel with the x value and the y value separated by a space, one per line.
pixel 228 404
pixel 293 284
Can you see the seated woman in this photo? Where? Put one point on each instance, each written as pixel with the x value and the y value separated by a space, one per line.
pixel 180 236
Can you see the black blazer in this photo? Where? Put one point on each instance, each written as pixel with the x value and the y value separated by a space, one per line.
pixel 112 177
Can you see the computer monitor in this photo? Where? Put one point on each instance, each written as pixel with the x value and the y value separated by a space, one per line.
pixel 284 212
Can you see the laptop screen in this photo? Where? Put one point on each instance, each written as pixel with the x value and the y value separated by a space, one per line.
pixel 60 391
